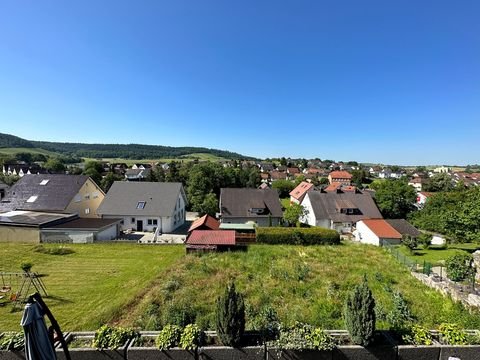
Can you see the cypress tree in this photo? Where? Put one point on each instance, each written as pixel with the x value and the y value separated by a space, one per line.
pixel 359 313
pixel 230 317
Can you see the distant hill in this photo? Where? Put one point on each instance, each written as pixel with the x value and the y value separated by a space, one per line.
pixel 125 151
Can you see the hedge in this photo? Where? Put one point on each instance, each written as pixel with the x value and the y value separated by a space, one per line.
pixel 297 236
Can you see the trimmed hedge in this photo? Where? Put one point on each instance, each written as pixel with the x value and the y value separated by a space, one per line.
pixel 297 236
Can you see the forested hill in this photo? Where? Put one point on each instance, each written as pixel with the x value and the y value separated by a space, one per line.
pixel 126 151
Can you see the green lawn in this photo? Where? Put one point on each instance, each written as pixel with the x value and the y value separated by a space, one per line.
pixel 436 255
pixel 301 283
pixel 93 285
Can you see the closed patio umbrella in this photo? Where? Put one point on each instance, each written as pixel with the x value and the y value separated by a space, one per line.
pixel 38 345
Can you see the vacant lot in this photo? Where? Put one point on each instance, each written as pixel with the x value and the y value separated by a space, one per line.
pixel 92 285
pixel 301 283
pixel 116 283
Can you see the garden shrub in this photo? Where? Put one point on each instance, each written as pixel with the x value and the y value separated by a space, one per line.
pixel 359 314
pixel 303 337
pixel 112 337
pixel 168 337
pixel 452 334
pixel 178 314
pixel 191 337
pixel 400 316
pixel 458 267
pixel 418 335
pixel 297 236
pixel 57 250
pixel 230 317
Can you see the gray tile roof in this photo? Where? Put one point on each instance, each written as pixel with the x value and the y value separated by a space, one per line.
pixel 123 197
pixel 33 218
pixel 55 195
pixel 328 205
pixel 237 202
pixel 85 224
pixel 403 227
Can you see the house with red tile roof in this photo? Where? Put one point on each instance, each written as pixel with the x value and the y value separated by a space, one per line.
pixel 339 187
pixel 375 232
pixel 343 177
pixel 297 194
pixel 210 240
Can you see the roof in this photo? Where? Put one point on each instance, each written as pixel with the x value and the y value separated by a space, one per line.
pixel 382 228
pixel 207 221
pixel 211 237
pixel 278 175
pixel 50 192
pixel 340 175
pixel 338 186
pixel 326 206
pixel 237 202
pixel 85 224
pixel 404 227
pixel 33 218
pixel 159 199
pixel 301 190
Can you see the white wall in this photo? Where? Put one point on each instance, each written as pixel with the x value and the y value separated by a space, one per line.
pixel 310 217
pixel 109 233
pixel 364 235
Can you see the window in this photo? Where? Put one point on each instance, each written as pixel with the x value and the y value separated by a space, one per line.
pixel 155 222
pixel 133 220
pixel 149 221
pixel 44 182
pixel 121 222
pixel 141 205
pixel 87 211
pixel 32 199
pixel 95 194
pixel 87 196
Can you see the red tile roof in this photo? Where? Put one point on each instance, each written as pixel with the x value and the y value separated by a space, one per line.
pixel 340 175
pixel 293 170
pixel 382 229
pixel 334 186
pixel 211 237
pixel 207 221
pixel 301 190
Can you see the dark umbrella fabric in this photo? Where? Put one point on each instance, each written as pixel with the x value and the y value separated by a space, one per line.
pixel 37 341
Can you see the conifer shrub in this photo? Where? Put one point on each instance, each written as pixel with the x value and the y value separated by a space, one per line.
pixel 230 317
pixel 359 314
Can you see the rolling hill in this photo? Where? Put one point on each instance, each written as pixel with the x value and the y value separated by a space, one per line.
pixel 125 151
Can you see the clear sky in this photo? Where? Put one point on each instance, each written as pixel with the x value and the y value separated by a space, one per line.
pixel 374 81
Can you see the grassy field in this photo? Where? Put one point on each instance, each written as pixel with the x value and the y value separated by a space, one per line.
pixel 301 283
pixel 117 283
pixel 189 157
pixel 437 256
pixel 13 151
pixel 92 285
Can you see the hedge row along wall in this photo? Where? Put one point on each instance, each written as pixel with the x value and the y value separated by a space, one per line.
pixel 297 236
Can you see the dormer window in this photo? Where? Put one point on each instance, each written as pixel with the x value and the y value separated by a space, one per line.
pixel 141 205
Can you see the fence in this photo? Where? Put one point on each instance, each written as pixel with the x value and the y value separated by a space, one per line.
pixel 424 267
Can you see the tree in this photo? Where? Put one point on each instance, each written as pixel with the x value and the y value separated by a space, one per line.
pixel 299 179
pixel 293 213
pixel 54 165
pixel 395 198
pixel 359 177
pixel 209 205
pixel 9 179
pixel 94 169
pixel 108 181
pixel 283 161
pixel 439 182
pixel 283 187
pixel 230 317
pixel 410 242
pixel 359 314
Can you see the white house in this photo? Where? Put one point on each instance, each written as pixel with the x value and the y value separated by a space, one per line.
pixel 375 232
pixel 338 211
pixel 145 206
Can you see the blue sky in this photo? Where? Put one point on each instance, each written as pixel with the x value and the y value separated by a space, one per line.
pixel 375 81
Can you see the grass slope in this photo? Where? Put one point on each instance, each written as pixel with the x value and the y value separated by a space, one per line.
pixel 15 150
pixel 302 283
pixel 91 286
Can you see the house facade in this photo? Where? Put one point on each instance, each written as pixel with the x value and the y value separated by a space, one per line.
pixel 338 211
pixel 343 177
pixel 375 232
pixel 145 206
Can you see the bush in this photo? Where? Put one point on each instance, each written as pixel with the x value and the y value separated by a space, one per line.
pixel 168 337
pixel 26 266
pixel 410 242
pixel 400 316
pixel 458 267
pixel 12 341
pixel 418 335
pixel 452 334
pixel 58 250
pixel 303 337
pixel 111 337
pixel 178 314
pixel 425 240
pixel 297 236
pixel 191 337
pixel 359 313
pixel 230 317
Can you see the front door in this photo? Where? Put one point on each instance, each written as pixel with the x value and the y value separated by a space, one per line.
pixel 139 225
